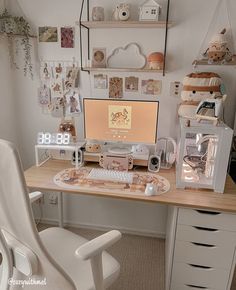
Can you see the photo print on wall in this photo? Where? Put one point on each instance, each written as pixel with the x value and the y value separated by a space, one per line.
pixel 151 87
pixel 116 88
pixel 73 106
pixel 131 84
pixel 48 34
pixel 67 37
pixel 100 81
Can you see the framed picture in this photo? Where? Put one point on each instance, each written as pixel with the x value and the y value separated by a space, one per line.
pixel 151 87
pixel 73 105
pixel 99 57
pixel 116 88
pixel 131 84
pixel 100 81
pixel 48 34
pixel 67 37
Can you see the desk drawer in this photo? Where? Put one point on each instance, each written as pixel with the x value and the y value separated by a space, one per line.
pixel 212 278
pixel 207 219
pixel 191 287
pixel 205 235
pixel 204 255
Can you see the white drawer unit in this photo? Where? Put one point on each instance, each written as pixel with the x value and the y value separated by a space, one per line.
pixel 207 219
pixel 203 250
pixel 190 274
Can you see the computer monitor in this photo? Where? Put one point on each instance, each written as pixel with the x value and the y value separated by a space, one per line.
pixel 121 120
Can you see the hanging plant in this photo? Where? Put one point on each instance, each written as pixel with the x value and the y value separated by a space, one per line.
pixel 12 26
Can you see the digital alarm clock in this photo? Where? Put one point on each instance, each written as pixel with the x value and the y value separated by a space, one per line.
pixel 53 138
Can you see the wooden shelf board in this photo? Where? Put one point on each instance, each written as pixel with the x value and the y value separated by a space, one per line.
pixel 94 69
pixel 16 35
pixel 125 24
pixel 205 62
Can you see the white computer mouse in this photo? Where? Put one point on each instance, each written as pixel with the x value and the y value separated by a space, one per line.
pixel 151 189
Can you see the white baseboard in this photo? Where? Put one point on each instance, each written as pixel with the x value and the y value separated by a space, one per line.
pixel 137 232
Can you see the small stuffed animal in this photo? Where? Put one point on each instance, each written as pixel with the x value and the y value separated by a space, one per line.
pixel 218 50
pixel 93 146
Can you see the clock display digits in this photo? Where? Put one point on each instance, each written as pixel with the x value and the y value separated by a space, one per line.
pixel 59 139
pixel 47 138
pixel 66 138
pixel 40 138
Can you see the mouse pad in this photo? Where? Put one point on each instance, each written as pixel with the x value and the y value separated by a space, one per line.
pixel 72 178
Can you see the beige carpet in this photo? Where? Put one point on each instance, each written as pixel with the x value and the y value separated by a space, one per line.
pixel 141 259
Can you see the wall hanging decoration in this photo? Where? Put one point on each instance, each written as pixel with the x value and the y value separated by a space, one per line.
pixel 100 81
pixel 218 45
pixel 129 56
pixel 17 30
pixel 151 87
pixel 131 84
pixel 59 92
pixel 48 34
pixel 67 37
pixel 116 88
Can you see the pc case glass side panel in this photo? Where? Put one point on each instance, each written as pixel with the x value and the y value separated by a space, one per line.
pixel 198 164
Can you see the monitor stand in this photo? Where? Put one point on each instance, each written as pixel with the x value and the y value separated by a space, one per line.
pixel 120 150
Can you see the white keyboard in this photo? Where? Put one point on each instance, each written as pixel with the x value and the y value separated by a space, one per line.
pixel 110 175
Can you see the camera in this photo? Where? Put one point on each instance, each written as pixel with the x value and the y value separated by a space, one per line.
pixel 121 12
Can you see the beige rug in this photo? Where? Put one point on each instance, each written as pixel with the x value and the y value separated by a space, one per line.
pixel 141 259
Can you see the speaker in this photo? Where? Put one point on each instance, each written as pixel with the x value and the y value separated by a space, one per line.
pixel 80 157
pixel 154 163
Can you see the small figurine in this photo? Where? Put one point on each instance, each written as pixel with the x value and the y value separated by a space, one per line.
pixel 98 14
pixel 121 12
pixel 155 60
pixel 218 51
pixel 93 146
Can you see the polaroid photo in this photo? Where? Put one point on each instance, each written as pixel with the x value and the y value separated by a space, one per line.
pixel 57 87
pixel 48 34
pixel 57 107
pixel 45 72
pixel 131 84
pixel 116 88
pixel 151 87
pixel 71 77
pixel 99 57
pixel 73 105
pixel 67 37
pixel 100 81
pixel 44 95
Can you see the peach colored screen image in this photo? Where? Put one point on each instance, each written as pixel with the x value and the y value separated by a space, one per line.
pixel 126 121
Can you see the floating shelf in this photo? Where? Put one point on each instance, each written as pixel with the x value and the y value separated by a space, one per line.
pixel 205 62
pixel 125 24
pixel 16 35
pixel 97 69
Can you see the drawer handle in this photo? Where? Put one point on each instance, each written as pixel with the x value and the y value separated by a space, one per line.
pixel 205 229
pixel 203 245
pixel 198 266
pixel 196 287
pixel 208 212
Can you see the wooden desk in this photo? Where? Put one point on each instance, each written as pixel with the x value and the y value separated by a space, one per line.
pixel 41 178
pixel 193 223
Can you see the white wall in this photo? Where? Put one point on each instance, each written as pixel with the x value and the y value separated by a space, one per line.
pixel 191 19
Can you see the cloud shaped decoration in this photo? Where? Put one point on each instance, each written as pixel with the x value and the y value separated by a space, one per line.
pixel 129 56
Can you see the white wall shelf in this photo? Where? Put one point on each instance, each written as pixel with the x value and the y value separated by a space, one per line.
pixel 125 24
pixel 107 69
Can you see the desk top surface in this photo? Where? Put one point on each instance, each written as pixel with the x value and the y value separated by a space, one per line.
pixel 41 178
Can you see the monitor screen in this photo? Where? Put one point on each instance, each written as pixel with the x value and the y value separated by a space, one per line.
pixel 121 121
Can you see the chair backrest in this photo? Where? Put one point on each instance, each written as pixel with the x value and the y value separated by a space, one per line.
pixel 16 221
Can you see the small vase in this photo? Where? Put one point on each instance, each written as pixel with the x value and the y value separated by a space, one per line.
pixel 98 14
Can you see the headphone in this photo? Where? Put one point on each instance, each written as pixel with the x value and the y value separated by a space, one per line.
pixel 170 156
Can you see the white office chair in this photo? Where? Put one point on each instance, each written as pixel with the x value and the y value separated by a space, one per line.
pixel 65 261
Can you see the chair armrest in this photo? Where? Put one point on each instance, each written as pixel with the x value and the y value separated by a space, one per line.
pixel 35 196
pixel 97 245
